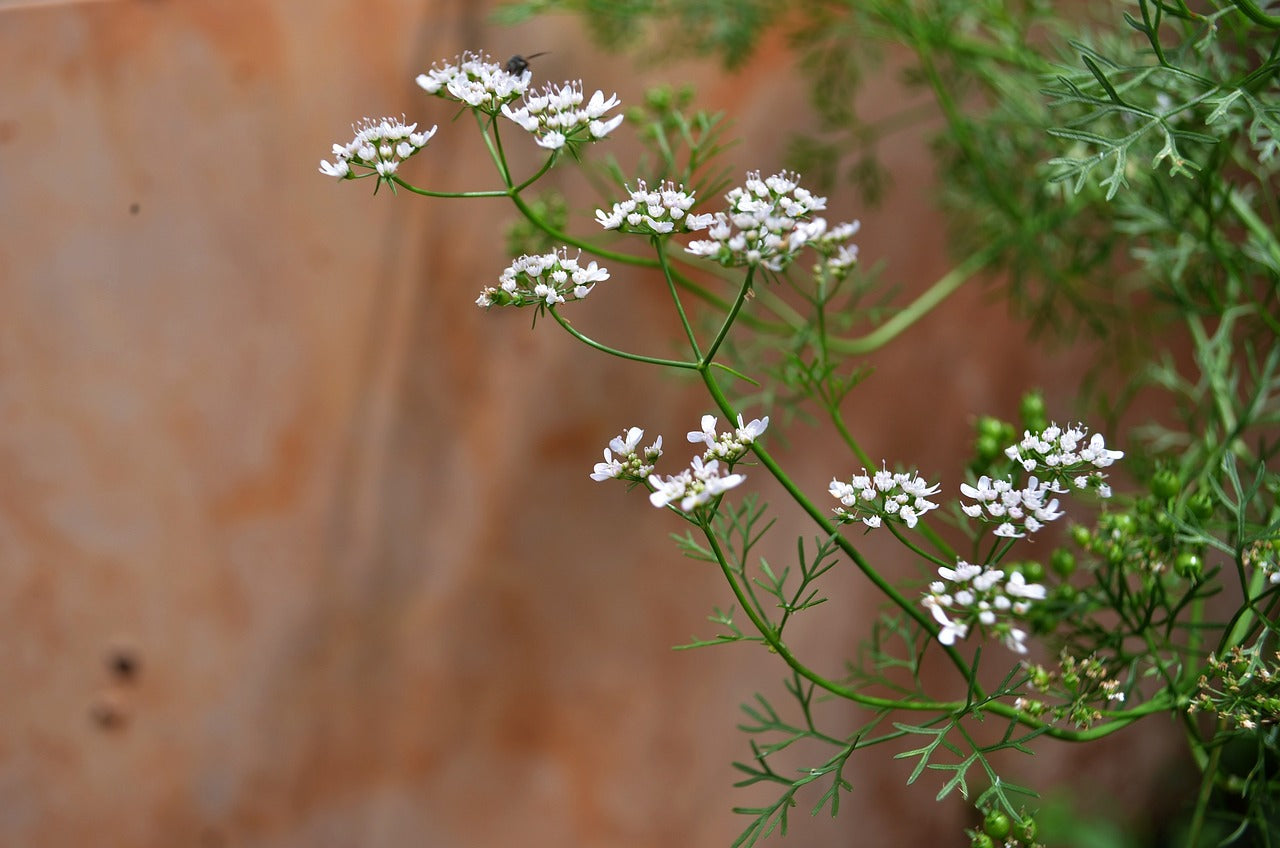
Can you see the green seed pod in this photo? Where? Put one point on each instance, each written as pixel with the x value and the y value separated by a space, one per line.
pixel 1189 565
pixel 997 824
pixel 1063 562
pixel 1201 505
pixel 1165 484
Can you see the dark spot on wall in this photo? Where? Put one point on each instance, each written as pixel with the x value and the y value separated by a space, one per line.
pixel 124 663
pixel 108 711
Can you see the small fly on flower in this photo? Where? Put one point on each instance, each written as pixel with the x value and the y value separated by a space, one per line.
pixel 518 64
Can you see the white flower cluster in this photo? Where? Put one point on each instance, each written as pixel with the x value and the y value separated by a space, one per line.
pixel 379 146
pixel 657 211
pixel 693 487
pixel 763 217
pixel 557 117
pixel 884 495
pixel 1064 454
pixel 833 244
pixel 974 596
pixel 622 460
pixel 1018 512
pixel 475 80
pixel 545 280
pixel 728 447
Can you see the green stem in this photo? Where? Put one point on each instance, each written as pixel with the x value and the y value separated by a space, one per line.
pixel 452 194
pixel 921 306
pixel 1251 11
pixel 494 145
pixel 659 248
pixel 847 437
pixel 621 354
pixel 1255 225
pixel 1206 791
pixel 897 534
pixel 743 291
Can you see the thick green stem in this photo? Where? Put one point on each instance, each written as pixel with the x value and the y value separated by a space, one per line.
pixel 1206 791
pixel 920 307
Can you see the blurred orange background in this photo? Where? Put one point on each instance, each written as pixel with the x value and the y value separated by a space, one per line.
pixel 297 545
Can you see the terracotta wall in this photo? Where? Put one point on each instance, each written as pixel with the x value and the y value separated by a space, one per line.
pixel 297 546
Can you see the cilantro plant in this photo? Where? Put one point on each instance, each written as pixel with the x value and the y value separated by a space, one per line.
pixel 1118 176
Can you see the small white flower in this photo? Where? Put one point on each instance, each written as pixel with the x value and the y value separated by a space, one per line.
pixel 951 630
pixel 1018 586
pixel 1015 640
pixel 609 469
pixel 339 169
pixel 600 129
pixel 1008 531
pixel 552 140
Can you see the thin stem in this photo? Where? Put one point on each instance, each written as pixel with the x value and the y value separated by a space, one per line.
pixel 451 194
pixel 743 291
pixel 621 354
pixel 847 437
pixel 659 248
pixel 494 145
pixel 897 534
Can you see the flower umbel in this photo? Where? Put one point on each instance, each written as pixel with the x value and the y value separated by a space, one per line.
pixel 1064 454
pixel 658 211
pixel 758 228
pixel 693 487
pixel 1243 686
pixel 558 119
pixel 975 596
pixel 1080 685
pixel 1018 512
pixel 728 447
pixel 475 80
pixel 379 147
pixel 883 496
pixel 623 460
pixel 543 280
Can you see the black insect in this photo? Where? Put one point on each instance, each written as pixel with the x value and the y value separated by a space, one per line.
pixel 518 64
